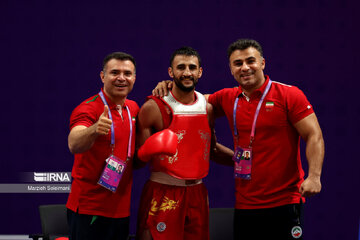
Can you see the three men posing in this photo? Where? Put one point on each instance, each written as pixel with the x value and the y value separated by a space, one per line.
pixel 267 119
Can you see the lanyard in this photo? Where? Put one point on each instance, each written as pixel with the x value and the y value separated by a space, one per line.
pixel 112 126
pixel 252 136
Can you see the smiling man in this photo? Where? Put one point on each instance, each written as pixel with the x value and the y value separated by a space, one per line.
pixel 174 202
pixel 267 120
pixel 102 138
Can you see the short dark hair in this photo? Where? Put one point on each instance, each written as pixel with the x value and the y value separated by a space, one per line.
pixel 187 51
pixel 242 44
pixel 119 56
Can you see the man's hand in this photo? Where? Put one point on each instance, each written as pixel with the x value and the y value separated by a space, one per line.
pixel 81 138
pixel 162 88
pixel 310 187
pixel 103 125
pixel 310 131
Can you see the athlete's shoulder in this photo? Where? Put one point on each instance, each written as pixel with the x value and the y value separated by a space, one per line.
pixel 151 104
pixel 152 101
pixel 200 96
pixel 131 104
pixel 150 114
pixel 198 93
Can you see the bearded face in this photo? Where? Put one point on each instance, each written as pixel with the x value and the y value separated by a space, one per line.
pixel 186 83
pixel 185 71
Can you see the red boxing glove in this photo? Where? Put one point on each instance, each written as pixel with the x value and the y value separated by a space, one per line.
pixel 163 142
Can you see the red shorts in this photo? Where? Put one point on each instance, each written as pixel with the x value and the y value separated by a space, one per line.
pixel 174 212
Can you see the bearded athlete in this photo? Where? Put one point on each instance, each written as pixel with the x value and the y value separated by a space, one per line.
pixel 174 202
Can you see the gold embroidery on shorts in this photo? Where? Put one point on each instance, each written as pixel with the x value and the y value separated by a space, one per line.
pixel 167 204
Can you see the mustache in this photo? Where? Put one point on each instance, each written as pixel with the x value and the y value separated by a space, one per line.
pixel 187 78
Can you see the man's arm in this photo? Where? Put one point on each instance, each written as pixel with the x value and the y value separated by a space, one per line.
pixel 162 88
pixel 310 131
pixel 218 152
pixel 207 97
pixel 149 118
pixel 222 155
pixel 81 138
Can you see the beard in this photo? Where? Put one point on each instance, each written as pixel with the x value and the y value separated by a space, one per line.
pixel 181 86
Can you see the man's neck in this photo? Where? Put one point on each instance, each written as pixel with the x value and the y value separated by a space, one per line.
pixel 249 91
pixel 117 101
pixel 182 96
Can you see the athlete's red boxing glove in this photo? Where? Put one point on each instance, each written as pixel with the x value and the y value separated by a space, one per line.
pixel 163 142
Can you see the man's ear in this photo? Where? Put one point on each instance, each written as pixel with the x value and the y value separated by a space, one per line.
pixel 170 71
pixel 200 72
pixel 231 69
pixel 102 76
pixel 263 64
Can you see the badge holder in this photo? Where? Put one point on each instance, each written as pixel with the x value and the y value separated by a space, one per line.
pixel 114 167
pixel 243 156
pixel 112 173
pixel 243 162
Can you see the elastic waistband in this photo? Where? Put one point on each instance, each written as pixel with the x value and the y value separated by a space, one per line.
pixel 164 178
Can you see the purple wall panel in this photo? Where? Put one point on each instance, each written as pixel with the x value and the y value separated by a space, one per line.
pixel 51 56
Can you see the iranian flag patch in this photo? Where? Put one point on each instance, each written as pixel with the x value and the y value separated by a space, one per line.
pixel 269 106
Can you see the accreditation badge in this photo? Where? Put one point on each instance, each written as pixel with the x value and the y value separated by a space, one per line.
pixel 237 154
pixel 243 160
pixel 112 173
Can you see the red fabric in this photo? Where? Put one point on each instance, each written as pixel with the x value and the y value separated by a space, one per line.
pixel 86 196
pixel 191 161
pixel 183 210
pixel 276 171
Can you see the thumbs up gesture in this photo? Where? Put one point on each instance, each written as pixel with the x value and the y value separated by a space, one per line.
pixel 103 125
